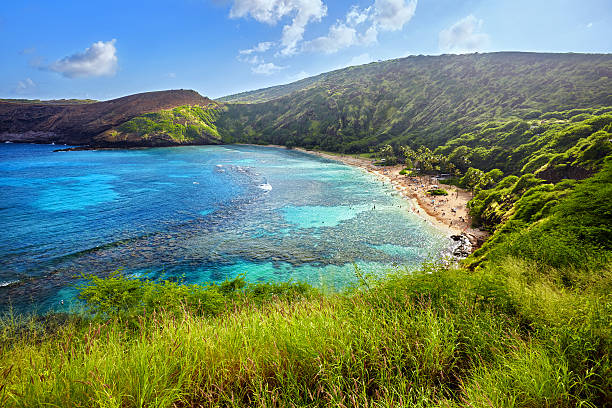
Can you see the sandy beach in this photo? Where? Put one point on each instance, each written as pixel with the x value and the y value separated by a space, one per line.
pixel 446 212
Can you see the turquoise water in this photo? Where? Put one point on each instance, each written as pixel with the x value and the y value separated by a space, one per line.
pixel 201 214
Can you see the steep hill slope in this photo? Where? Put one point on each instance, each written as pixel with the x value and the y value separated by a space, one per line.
pixel 274 92
pixel 417 100
pixel 83 123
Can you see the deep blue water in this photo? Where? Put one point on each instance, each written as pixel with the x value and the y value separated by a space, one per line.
pixel 200 213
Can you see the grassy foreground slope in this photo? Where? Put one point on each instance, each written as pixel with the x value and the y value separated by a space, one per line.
pixel 508 335
pixel 416 100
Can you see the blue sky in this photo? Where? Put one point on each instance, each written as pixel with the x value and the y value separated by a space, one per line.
pixel 106 49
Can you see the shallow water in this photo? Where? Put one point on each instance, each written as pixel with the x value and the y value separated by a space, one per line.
pixel 202 214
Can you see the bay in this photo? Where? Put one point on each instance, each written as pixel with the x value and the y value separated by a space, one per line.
pixel 198 214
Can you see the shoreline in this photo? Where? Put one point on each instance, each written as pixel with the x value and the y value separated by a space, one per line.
pixel 447 213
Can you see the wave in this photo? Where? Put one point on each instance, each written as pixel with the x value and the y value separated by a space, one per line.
pixel 8 283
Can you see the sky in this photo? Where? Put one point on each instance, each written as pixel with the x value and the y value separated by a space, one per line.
pixel 106 49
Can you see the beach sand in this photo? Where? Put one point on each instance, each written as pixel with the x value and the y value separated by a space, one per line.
pixel 448 213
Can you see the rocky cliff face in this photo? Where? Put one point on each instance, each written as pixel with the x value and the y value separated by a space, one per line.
pixel 81 124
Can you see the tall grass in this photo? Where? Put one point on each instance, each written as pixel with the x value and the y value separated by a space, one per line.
pixel 439 337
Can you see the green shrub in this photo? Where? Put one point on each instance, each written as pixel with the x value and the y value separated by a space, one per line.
pixel 437 192
pixel 117 295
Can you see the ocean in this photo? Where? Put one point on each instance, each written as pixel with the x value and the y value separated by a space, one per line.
pixel 198 214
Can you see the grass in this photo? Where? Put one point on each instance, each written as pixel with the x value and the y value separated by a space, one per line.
pixel 439 337
pixel 437 192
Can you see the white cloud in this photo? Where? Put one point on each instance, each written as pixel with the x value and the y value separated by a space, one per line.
pixel 260 65
pixel 359 27
pixel 589 25
pixel 463 36
pixel 272 11
pixel 268 68
pixel 252 59
pixel 264 11
pixel 98 60
pixel 355 16
pixel 391 15
pixel 339 36
pixel 292 34
pixel 370 36
pixel 25 86
pixel 383 15
pixel 261 47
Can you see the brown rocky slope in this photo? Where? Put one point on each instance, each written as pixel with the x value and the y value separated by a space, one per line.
pixel 80 124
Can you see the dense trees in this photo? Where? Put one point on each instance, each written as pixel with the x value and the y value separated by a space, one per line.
pixel 553 149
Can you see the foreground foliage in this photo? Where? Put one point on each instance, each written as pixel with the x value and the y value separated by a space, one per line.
pixel 508 336
pixel 568 224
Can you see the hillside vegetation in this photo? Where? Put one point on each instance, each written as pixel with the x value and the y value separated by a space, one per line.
pixel 273 92
pixel 416 100
pixel 181 125
pixel 556 145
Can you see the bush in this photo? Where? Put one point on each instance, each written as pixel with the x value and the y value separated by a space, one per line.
pixel 437 192
pixel 117 295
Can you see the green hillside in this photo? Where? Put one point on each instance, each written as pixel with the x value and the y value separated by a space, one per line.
pixel 417 100
pixel 181 125
pixel 555 146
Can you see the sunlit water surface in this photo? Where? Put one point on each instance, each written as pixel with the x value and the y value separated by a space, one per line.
pixel 200 214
